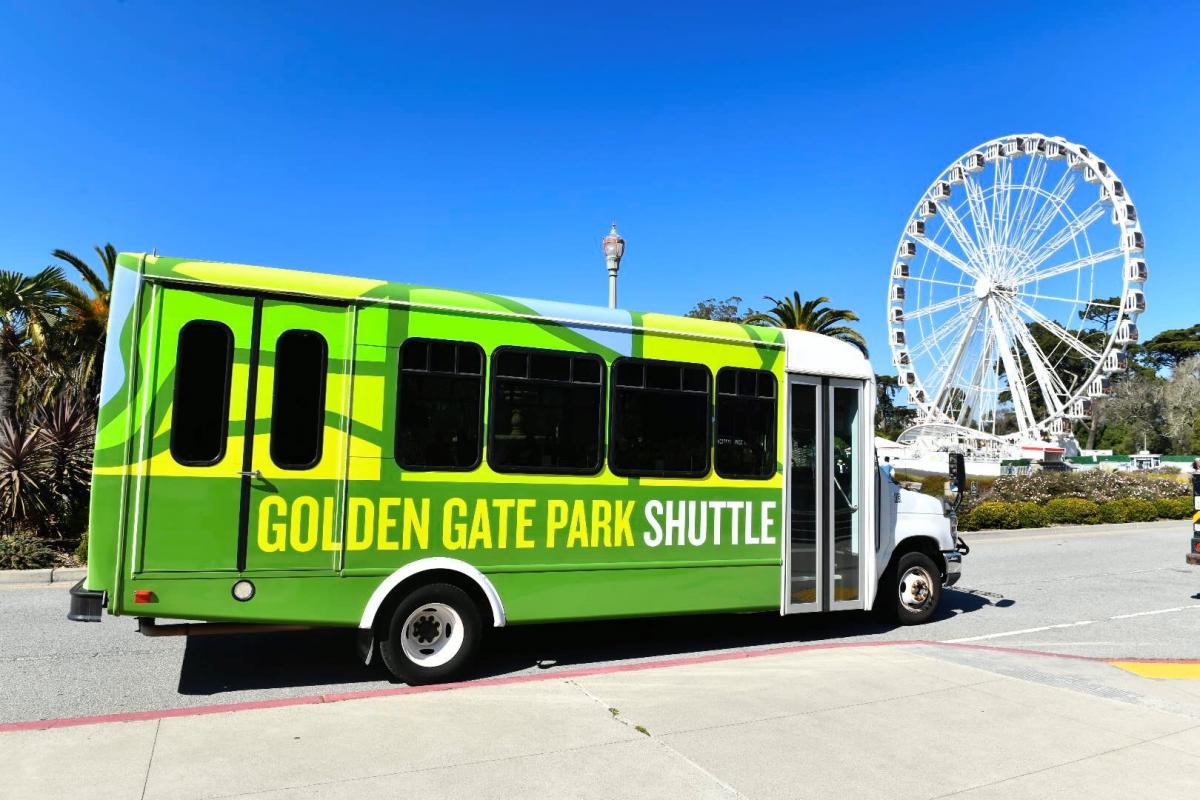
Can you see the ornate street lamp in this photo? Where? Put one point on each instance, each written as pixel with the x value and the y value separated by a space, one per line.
pixel 614 249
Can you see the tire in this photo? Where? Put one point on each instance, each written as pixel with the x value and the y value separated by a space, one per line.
pixel 912 591
pixel 432 636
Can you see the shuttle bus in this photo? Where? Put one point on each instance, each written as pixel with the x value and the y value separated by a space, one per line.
pixel 285 448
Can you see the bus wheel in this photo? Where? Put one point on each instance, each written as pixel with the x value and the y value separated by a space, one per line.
pixel 433 635
pixel 916 588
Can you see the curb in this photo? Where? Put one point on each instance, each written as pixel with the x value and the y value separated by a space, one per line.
pixel 53 575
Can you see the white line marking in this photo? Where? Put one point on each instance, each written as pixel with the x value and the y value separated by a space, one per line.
pixel 1069 624
pixel 1023 630
pixel 1158 611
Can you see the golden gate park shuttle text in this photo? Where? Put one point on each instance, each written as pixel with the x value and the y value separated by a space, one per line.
pixel 284 448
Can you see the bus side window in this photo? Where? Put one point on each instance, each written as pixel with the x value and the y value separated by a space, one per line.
pixel 298 399
pixel 439 409
pixel 660 419
pixel 200 402
pixel 547 412
pixel 746 423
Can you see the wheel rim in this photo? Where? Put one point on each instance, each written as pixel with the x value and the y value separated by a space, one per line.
pixel 916 588
pixel 433 634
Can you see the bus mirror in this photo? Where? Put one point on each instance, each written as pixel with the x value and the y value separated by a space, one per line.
pixel 958 474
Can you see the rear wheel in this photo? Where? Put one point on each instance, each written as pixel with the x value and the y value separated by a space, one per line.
pixel 433 635
pixel 913 590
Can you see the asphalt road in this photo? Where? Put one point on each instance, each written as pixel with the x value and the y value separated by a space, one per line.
pixel 1120 591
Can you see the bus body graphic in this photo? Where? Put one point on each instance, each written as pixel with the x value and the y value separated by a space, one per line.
pixel 283 447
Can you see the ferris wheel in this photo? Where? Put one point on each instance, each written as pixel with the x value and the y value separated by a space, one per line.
pixel 1016 288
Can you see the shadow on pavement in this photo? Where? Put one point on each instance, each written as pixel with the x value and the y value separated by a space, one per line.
pixel 325 657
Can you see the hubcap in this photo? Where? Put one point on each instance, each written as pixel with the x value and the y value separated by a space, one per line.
pixel 433 634
pixel 916 588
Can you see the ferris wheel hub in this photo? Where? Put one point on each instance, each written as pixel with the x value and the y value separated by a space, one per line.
pixel 983 287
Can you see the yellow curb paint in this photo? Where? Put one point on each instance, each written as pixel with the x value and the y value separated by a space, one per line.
pixel 1168 670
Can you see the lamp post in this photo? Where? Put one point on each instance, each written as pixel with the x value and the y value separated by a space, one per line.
pixel 614 249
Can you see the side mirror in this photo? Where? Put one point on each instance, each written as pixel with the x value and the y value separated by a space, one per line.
pixel 958 475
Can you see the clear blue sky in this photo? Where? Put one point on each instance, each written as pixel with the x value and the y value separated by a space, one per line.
pixel 744 148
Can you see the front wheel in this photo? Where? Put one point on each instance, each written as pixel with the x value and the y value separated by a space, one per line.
pixel 913 590
pixel 433 635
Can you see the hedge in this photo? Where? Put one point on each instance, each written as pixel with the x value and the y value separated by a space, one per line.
pixel 1174 507
pixel 1072 511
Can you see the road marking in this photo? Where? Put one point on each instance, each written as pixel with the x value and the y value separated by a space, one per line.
pixel 1061 625
pixel 1169 670
pixel 1021 631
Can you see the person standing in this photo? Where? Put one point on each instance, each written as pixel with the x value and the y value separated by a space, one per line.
pixel 888 470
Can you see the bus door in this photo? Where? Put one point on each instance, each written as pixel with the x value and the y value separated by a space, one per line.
pixel 825 558
pixel 244 453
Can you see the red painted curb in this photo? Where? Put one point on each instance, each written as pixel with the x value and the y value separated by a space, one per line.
pixel 338 697
pixel 583 672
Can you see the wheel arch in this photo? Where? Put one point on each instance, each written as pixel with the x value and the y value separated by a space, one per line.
pixel 427 570
pixel 919 543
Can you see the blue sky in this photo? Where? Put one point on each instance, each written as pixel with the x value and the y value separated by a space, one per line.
pixel 744 148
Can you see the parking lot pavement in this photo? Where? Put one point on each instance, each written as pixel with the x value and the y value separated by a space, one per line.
pixel 879 720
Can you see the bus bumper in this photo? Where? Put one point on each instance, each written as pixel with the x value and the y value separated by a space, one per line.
pixel 953 559
pixel 86 604
pixel 1194 559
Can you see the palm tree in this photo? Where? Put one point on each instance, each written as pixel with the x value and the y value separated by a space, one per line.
pixel 30 306
pixel 794 314
pixel 88 321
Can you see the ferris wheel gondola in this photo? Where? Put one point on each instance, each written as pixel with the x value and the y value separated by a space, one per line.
pixel 1016 287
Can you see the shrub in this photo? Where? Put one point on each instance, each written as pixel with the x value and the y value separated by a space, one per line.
pixel 1174 507
pixel 1113 511
pixel 1030 515
pixel 81 549
pixel 994 514
pixel 933 485
pixel 23 549
pixel 1072 511
pixel 1138 509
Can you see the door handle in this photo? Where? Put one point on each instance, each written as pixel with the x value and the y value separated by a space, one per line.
pixel 254 473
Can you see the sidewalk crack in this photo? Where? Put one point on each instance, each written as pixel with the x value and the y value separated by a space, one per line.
pixel 150 761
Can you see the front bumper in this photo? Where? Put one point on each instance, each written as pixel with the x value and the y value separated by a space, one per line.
pixel 86 604
pixel 953 559
pixel 1194 559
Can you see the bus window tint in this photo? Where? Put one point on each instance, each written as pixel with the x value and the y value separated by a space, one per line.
pixel 660 419
pixel 298 399
pixel 439 410
pixel 746 409
pixel 200 405
pixel 546 412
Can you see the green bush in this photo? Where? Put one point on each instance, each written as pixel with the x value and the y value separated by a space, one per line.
pixel 1139 510
pixel 1114 511
pixel 1071 511
pixel 933 485
pixel 81 549
pixel 994 514
pixel 1030 515
pixel 1174 507
pixel 23 549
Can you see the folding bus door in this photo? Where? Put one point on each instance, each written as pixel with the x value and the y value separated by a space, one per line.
pixel 826 555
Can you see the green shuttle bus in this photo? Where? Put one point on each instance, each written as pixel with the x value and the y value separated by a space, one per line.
pixel 285 448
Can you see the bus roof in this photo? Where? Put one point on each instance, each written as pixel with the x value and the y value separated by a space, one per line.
pixel 806 352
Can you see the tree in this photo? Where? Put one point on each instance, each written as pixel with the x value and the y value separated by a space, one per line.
pixel 87 319
pixel 727 310
pixel 1181 406
pixel 1173 346
pixel 30 306
pixel 794 314
pixel 1103 311
pixel 890 419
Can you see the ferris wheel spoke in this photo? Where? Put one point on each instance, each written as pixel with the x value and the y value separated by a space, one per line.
pixel 1075 301
pixel 939 282
pixel 1054 392
pixel 955 362
pixel 939 306
pixel 1059 196
pixel 979 216
pixel 976 386
pixel 1071 266
pixel 1013 373
pixel 1065 234
pixel 959 232
pixel 947 256
pixel 1067 338
pixel 950 326
pixel 1003 188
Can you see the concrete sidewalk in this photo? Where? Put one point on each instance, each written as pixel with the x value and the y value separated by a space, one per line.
pixel 845 722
